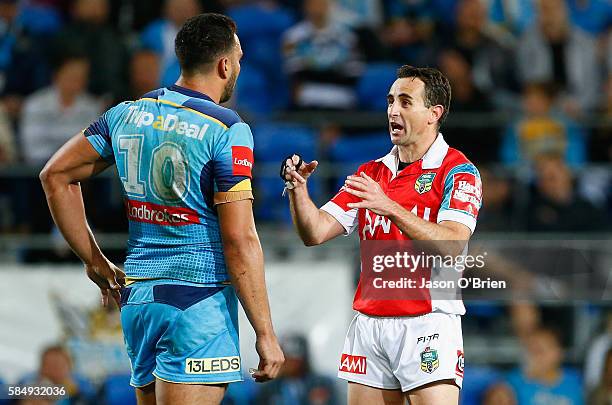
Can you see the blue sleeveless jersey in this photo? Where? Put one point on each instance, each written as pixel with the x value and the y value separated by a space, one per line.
pixel 175 151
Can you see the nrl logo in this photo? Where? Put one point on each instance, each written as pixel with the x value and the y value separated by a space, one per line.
pixel 424 183
pixel 429 360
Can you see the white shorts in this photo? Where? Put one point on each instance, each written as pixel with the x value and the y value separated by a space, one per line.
pixel 404 352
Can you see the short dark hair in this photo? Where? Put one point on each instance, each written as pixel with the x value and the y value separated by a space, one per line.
pixel 67 55
pixel 437 87
pixel 202 39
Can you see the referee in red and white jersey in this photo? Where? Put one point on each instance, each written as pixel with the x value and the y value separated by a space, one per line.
pixel 398 350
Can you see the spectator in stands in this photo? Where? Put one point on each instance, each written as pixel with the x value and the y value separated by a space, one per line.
pixel 322 59
pixel 359 13
pixel 144 74
pixel 596 357
pixel 488 51
pixel 542 379
pixel 597 187
pixel 466 96
pixel 601 143
pixel 496 214
pixel 8 148
pixel 23 64
pixel 297 383
pixel 552 50
pixel 499 394
pixel 159 36
pixel 555 205
pixel 54 114
pixel 468 99
pixel 409 30
pixel 512 15
pixel 542 129
pixel 56 368
pixel 90 33
pixel 525 318
pixel 592 16
pixel 603 392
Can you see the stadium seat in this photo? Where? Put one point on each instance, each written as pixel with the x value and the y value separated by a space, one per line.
pixel 117 390
pixel 252 96
pixel 374 85
pixel 261 29
pixel 273 142
pixel 40 19
pixel 350 151
pixel 477 379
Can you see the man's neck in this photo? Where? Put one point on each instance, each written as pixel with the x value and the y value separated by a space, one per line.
pixel 202 84
pixel 548 377
pixel 415 151
pixel 66 100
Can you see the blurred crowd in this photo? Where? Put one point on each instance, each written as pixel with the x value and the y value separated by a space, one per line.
pixel 543 374
pixel 531 82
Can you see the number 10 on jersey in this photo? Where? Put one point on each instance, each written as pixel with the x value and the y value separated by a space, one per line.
pixel 168 177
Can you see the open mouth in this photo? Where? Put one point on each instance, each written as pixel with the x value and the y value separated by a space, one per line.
pixel 396 127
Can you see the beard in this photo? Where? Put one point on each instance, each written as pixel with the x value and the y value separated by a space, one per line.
pixel 228 91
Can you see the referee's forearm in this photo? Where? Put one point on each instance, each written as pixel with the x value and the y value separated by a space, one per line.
pixel 416 228
pixel 305 215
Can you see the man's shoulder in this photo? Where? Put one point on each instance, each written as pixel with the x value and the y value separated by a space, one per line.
pixel 118 109
pixel 454 158
pixel 226 116
pixel 42 96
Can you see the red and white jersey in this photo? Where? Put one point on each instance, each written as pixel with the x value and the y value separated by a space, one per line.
pixel 442 186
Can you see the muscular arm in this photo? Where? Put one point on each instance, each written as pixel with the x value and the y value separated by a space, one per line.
pixel 75 161
pixel 245 266
pixel 245 263
pixel 374 199
pixel 314 225
pixel 454 234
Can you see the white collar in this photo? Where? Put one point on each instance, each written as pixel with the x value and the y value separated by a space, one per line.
pixel 432 159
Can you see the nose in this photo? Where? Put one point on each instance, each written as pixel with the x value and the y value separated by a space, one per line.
pixel 393 110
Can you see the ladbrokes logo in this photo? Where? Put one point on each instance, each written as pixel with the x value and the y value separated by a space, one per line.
pixel 353 364
pixel 159 214
pixel 242 161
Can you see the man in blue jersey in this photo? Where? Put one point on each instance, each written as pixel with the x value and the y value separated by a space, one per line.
pixel 185 165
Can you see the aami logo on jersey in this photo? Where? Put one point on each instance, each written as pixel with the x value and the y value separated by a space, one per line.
pixel 159 214
pixel 242 161
pixel 467 193
pixel 353 364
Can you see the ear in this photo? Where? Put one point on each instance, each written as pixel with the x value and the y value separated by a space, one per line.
pixel 224 68
pixel 435 113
